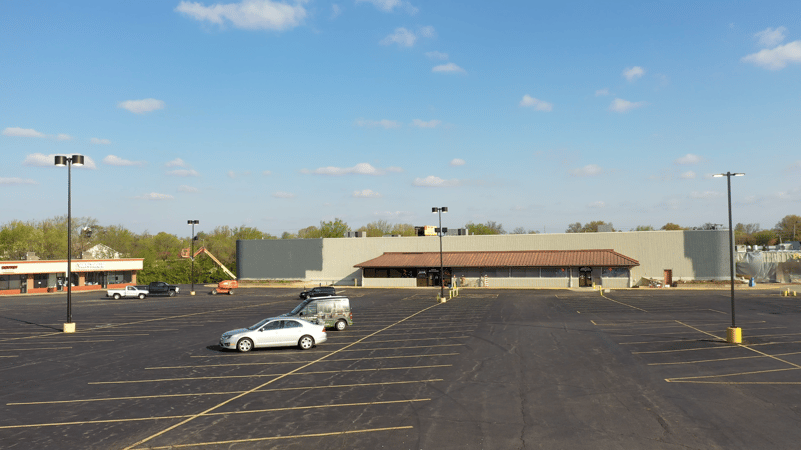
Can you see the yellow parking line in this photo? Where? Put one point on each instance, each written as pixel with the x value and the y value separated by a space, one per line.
pixel 672 380
pixel 30 349
pixel 719 359
pixel 279 375
pixel 201 394
pixel 63 342
pixel 207 411
pixel 9 356
pixel 430 355
pixel 686 349
pixel 738 382
pixel 255 411
pixel 273 438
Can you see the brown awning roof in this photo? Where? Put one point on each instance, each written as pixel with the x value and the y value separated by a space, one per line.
pixel 530 258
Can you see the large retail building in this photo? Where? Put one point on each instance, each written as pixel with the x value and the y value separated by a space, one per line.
pixel 609 259
pixel 35 276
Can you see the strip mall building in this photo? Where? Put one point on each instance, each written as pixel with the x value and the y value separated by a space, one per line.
pixel 613 259
pixel 31 277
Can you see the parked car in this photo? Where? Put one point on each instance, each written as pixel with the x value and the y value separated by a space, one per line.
pixel 318 291
pixel 331 312
pixel 274 332
pixel 127 292
pixel 160 288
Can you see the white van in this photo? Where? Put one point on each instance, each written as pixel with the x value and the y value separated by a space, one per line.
pixel 333 312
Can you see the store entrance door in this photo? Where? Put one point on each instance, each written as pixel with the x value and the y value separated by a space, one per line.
pixel 585 277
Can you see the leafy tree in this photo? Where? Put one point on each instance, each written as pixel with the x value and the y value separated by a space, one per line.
pixel 377 229
pixel 670 226
pixel 17 238
pixel 789 228
pixel 288 235
pixel 310 232
pixel 766 237
pixel 404 229
pixel 749 228
pixel 333 229
pixel 491 227
pixel 590 227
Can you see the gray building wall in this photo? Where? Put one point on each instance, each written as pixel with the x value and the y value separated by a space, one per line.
pixel 690 255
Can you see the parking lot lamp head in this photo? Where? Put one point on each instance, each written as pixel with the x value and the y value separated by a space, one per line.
pixel 61 161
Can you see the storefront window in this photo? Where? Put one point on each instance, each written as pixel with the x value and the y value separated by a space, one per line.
pixel 10 282
pixel 553 272
pixel 615 272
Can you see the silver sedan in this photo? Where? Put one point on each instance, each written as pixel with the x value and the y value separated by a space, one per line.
pixel 275 332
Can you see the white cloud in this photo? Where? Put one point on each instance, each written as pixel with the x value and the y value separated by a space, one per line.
pixel 437 56
pixel 621 106
pixel 384 123
pixel 402 37
pixel 449 67
pixel 22 132
pixel 231 174
pixel 587 171
pixel 16 181
pixel 689 175
pixel 432 181
pixel 422 124
pixel 183 173
pixel 189 189
pixel 281 194
pixel 390 5
pixel 366 193
pixel 177 162
pixel 155 196
pixel 688 159
pixel 770 37
pixel 266 173
pixel 428 32
pixel 358 169
pixel 99 141
pixel 599 204
pixel 336 10
pixel 538 105
pixel 705 194
pixel 776 58
pixel 247 14
pixel 457 162
pixel 142 106
pixel 63 137
pixel 113 160
pixel 602 92
pixel 41 160
pixel 633 73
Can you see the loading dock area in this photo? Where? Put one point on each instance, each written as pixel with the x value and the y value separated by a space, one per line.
pixel 638 368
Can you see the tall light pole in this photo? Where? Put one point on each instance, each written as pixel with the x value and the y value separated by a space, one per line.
pixel 734 335
pixel 440 232
pixel 192 255
pixel 77 160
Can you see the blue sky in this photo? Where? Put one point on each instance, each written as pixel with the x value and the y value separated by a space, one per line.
pixel 278 115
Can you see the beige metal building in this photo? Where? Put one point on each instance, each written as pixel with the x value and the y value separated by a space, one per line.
pixel 662 255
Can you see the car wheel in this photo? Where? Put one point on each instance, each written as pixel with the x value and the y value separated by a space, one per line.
pixel 231 292
pixel 117 296
pixel 214 292
pixel 306 342
pixel 244 345
pixel 141 296
pixel 172 293
pixel 341 325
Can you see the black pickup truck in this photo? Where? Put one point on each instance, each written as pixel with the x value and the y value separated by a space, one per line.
pixel 161 288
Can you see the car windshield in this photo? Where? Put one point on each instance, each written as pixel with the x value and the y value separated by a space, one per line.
pixel 299 307
pixel 259 325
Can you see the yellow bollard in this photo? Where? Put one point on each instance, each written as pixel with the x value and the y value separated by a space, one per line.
pixel 734 335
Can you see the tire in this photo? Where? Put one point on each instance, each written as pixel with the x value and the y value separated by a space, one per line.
pixel 172 293
pixel 341 325
pixel 306 342
pixel 141 296
pixel 214 292
pixel 117 296
pixel 244 345
pixel 231 292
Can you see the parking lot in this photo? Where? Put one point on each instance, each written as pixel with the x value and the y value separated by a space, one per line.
pixel 491 369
